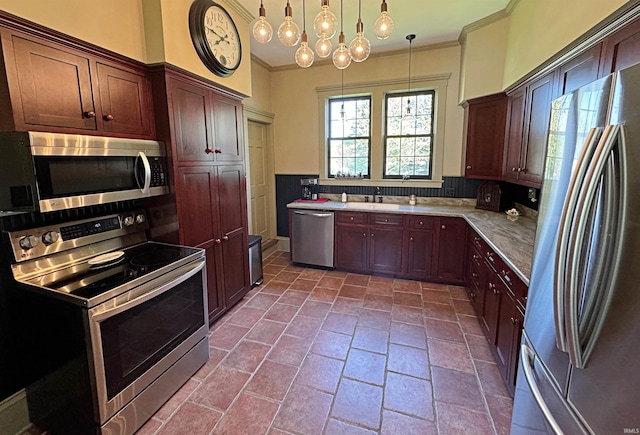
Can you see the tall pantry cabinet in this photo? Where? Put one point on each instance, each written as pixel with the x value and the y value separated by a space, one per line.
pixel 204 126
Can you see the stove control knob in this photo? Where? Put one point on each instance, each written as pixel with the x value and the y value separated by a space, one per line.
pixel 140 219
pixel 28 242
pixel 128 221
pixel 50 237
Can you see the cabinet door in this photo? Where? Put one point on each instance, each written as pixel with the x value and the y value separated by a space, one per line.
pixel 54 87
pixel 228 142
pixel 196 202
pixel 421 263
pixel 352 247
pixel 452 240
pixel 192 122
pixel 506 325
pixel 484 132
pixel 232 209
pixel 215 297
pixel 385 249
pixel 622 49
pixel 124 101
pixel 477 281
pixel 514 354
pixel 514 136
pixel 539 96
pixel 491 305
pixel 578 71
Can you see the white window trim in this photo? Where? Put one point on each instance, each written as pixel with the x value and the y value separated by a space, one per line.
pixel 377 91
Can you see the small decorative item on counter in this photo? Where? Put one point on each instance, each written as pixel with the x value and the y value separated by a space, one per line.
pixel 512 214
pixel 344 196
pixel 412 200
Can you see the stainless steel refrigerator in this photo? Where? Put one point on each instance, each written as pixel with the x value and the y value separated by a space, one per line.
pixel 579 368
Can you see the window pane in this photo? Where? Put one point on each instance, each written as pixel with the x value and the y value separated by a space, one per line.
pixel 362 148
pixel 349 148
pixel 409 134
pixel 349 136
pixel 336 148
pixel 362 166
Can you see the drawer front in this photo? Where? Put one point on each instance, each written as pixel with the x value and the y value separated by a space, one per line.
pixel 422 222
pixel 352 217
pixel 476 269
pixel 479 243
pixel 386 219
pixel 515 284
pixel 493 259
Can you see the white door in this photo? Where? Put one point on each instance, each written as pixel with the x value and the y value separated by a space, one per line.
pixel 261 200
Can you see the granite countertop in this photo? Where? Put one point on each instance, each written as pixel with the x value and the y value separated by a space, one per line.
pixel 512 239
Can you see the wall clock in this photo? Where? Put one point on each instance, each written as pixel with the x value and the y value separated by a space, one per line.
pixel 215 37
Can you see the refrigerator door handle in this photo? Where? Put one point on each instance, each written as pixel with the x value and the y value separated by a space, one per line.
pixel 568 210
pixel 593 306
pixel 528 359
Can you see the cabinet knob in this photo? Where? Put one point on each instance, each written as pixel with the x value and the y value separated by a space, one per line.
pixel 351 218
pixel 490 256
pixel 468 166
pixel 218 151
pixel 444 227
pixel 108 117
pixel 90 114
pixel 218 241
pixel 492 285
pixel 513 321
pixel 473 274
pixel 520 169
pixel 411 239
pixel 476 238
pixel 514 169
pixel 372 234
pixel 524 170
pixel 421 223
pixel 364 234
pixel 208 151
pixel 225 238
pixel 386 220
pixel 473 295
pixel 475 257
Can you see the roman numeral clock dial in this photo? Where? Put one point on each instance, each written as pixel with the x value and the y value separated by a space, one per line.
pixel 215 37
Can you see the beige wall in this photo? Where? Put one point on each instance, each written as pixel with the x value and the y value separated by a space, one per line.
pixel 541 28
pixel 260 87
pixel 295 103
pixel 145 30
pixel 483 59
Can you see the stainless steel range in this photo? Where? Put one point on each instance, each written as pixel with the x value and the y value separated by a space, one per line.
pixel 131 315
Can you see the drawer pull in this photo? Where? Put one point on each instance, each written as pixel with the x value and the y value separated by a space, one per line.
pixel 421 223
pixel 506 276
pixel 351 218
pixel 444 227
pixel 372 234
pixel 476 238
pixel 364 234
pixel 473 274
pixel 386 220
pixel 490 256
pixel 411 239
pixel 90 114
pixel 475 256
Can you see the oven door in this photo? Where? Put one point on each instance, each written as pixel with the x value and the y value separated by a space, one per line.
pixel 137 336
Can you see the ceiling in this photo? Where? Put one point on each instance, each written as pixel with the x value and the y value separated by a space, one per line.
pixel 432 21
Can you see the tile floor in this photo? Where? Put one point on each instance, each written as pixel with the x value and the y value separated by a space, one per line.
pixel 327 352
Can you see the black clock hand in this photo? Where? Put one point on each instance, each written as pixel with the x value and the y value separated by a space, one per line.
pixel 220 38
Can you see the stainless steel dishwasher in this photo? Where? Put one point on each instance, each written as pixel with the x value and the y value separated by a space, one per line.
pixel 312 237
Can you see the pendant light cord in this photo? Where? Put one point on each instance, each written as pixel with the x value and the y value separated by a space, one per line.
pixel 304 17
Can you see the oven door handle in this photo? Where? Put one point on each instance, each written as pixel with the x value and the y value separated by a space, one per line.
pixel 180 275
pixel 143 185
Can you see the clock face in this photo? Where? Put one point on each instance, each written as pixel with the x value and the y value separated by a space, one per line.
pixel 215 37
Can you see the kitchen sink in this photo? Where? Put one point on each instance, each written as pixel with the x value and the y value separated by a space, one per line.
pixel 372 206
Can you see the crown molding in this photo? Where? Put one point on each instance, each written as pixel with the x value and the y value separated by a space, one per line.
pixel 385 83
pixel 261 62
pixel 253 113
pixel 497 16
pixel 511 6
pixel 240 10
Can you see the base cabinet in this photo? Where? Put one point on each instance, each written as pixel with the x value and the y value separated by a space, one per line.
pixel 499 298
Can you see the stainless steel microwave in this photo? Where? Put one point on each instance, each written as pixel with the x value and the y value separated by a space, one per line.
pixel 51 171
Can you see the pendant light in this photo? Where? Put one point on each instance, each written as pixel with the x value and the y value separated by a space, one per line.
pixel 325 22
pixel 304 55
pixel 288 32
pixel 384 24
pixel 324 47
pixel 341 57
pixel 360 47
pixel 262 30
pixel 407 115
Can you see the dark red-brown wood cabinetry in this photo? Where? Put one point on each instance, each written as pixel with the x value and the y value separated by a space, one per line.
pixel 56 88
pixel 210 186
pixel 485 120
pixel 452 237
pixel 578 71
pixel 420 239
pixel 621 49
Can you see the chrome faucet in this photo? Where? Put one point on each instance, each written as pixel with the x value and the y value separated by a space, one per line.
pixel 378 193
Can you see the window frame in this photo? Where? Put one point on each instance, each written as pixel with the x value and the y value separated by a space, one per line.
pixel 343 138
pixel 386 136
pixel 447 138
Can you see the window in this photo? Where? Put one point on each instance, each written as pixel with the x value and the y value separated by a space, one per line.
pixel 408 141
pixel 349 137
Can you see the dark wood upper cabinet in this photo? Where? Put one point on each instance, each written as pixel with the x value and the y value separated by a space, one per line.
pixel 485 120
pixel 192 123
pixel 528 124
pixel 51 87
pixel 578 71
pixel 125 101
pixel 227 117
pixel 621 49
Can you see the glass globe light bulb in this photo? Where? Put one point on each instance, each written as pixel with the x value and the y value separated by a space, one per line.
pixel 289 32
pixel 304 54
pixel 324 47
pixel 325 23
pixel 341 57
pixel 383 26
pixel 360 47
pixel 262 30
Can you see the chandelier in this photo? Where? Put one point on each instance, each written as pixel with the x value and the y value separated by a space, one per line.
pixel 325 27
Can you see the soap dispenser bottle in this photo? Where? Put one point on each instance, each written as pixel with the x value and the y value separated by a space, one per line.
pixel 344 196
